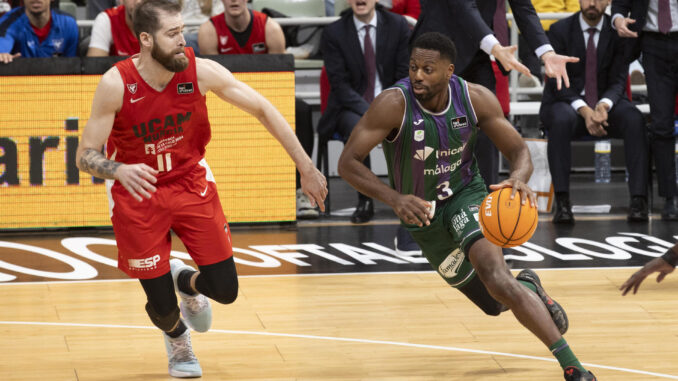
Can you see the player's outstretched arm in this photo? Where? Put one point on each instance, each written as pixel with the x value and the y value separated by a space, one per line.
pixel 663 265
pixel 493 123
pixel 216 78
pixel 382 120
pixel 138 179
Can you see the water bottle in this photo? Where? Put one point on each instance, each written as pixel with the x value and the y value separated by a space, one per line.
pixel 602 151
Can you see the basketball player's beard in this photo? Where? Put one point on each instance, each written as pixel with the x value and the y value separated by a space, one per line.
pixel 169 60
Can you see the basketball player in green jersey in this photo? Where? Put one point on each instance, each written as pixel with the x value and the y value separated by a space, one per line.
pixel 427 124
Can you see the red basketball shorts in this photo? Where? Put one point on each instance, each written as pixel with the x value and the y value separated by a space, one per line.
pixel 189 206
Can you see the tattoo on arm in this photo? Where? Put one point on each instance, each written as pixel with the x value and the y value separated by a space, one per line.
pixel 95 163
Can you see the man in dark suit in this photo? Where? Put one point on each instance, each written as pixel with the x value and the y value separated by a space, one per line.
pixel 357 77
pixel 470 25
pixel 594 105
pixel 653 24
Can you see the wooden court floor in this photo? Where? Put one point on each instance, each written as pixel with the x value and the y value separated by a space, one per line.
pixel 384 326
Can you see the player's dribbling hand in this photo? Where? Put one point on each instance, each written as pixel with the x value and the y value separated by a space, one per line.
pixel 138 179
pixel 413 210
pixel 314 185
pixel 517 185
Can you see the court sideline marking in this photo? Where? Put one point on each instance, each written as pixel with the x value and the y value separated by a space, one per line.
pixel 347 339
pixel 404 272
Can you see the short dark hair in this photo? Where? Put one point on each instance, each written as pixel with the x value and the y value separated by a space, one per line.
pixel 147 17
pixel 438 42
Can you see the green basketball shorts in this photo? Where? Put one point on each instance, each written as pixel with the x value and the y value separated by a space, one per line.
pixel 454 228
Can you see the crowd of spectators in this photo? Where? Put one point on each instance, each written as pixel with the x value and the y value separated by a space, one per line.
pixel 38 28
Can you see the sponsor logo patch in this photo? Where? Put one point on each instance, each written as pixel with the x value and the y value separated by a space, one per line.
pixel 459 122
pixel 449 268
pixel 459 221
pixel 144 263
pixel 259 47
pixel 185 88
pixel 422 154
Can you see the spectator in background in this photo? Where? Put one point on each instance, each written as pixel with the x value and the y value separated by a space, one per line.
pixel 94 7
pixel 37 31
pixel 365 51
pixel 526 55
pixel 595 105
pixel 652 26
pixel 239 30
pixel 197 12
pixel 112 33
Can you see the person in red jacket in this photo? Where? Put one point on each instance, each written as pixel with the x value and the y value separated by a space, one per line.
pixel 240 31
pixel 112 32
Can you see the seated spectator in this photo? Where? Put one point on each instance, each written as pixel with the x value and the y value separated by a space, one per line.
pixel 197 12
pixel 357 74
pixel 37 31
pixel 113 32
pixel 593 105
pixel 239 30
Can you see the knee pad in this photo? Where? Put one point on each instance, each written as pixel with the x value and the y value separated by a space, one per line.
pixel 164 322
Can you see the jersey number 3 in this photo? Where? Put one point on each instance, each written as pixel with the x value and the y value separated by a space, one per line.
pixel 444 190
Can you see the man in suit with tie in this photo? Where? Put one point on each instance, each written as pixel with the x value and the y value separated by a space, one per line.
pixel 594 105
pixel 365 51
pixel 653 26
pixel 478 29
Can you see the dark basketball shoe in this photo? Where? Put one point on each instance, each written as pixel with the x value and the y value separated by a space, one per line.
pixel 557 312
pixel 572 373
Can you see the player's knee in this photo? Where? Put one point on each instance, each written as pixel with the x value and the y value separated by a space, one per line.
pixel 224 292
pixel 497 283
pixel 165 320
pixel 493 308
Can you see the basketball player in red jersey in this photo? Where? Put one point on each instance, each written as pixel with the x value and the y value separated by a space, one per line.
pixel 240 31
pixel 151 109
pixel 112 33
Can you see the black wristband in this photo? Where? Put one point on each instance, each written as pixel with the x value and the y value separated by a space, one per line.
pixel 670 257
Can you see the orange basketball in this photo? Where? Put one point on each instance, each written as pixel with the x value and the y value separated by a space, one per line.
pixel 507 222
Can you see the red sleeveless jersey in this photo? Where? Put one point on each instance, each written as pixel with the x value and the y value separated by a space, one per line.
pixel 125 43
pixel 256 44
pixel 167 130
